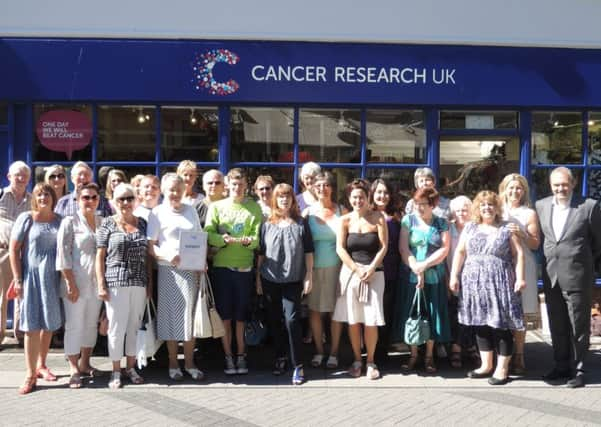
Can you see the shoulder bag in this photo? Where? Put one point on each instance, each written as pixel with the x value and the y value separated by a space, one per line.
pixel 417 326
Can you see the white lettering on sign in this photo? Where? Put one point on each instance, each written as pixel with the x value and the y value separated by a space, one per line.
pixel 353 75
pixel 53 130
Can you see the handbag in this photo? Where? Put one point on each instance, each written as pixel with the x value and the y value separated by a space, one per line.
pixel 216 323
pixel 255 330
pixel 202 321
pixel 147 342
pixel 417 326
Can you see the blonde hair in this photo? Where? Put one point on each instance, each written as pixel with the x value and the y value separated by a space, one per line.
pixel 51 170
pixel 525 200
pixel 185 165
pixel 118 172
pixel 486 196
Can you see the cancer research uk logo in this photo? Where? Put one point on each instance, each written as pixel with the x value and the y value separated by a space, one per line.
pixel 202 67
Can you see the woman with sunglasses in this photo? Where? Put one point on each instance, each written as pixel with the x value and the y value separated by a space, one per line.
pixel 113 179
pixel 76 256
pixel 56 177
pixel 263 189
pixel 123 280
pixel 33 263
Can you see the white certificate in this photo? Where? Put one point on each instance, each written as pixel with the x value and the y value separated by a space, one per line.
pixel 192 250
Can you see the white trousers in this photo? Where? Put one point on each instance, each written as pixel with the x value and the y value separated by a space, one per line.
pixel 125 310
pixel 81 323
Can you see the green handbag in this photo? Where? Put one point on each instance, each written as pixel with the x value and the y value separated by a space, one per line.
pixel 417 326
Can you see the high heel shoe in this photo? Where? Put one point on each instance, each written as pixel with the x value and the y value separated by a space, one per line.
pixel 28 386
pixel 44 373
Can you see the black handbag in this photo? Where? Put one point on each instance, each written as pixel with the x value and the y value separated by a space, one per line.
pixel 417 326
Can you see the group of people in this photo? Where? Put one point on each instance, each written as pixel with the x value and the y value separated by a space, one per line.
pixel 106 253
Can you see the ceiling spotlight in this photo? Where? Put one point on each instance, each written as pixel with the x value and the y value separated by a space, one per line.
pixel 193 119
pixel 141 117
pixel 591 123
pixel 556 123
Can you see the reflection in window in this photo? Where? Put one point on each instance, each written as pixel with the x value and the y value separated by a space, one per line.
pixel 330 135
pixel 478 120
pixel 395 136
pixel 556 137
pixel 3 114
pixel 189 133
pixel 262 134
pixel 126 133
pixel 594 145
pixel 62 132
pixel 540 183
pixel 469 164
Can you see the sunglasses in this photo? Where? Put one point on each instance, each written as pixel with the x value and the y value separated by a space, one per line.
pixel 57 176
pixel 87 198
pixel 213 182
pixel 128 199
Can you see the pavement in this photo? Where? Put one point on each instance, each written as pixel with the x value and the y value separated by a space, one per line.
pixel 329 398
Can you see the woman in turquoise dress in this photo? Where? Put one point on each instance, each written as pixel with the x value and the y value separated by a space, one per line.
pixel 424 246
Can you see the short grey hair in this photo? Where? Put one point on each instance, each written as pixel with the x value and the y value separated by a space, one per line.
pixel 310 169
pixel 459 202
pixel 211 172
pixel 419 172
pixel 78 165
pixel 564 170
pixel 122 188
pixel 169 178
pixel 19 166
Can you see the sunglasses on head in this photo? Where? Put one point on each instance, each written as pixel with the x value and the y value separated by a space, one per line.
pixel 88 197
pixel 126 199
pixel 57 176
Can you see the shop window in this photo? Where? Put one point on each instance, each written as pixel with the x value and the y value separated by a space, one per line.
pixel 594 146
pixel 330 136
pixel 540 183
pixel 469 164
pixel 3 114
pixel 189 133
pixel 62 132
pixel 126 133
pixel 395 136
pixel 478 120
pixel 279 175
pixel 262 134
pixel 556 137
pixel 400 181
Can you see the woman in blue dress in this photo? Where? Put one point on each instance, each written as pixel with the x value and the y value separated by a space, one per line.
pixel 424 246
pixel 33 264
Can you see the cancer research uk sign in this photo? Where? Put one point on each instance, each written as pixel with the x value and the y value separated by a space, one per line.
pixel 64 131
pixel 227 73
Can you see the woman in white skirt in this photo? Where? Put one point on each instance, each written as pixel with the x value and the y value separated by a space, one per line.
pixel 177 288
pixel 361 244
pixel 515 196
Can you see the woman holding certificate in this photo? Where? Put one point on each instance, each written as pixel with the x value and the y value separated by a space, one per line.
pixel 177 288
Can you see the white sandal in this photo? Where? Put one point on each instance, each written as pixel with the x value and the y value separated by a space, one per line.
pixel 317 360
pixel 195 373
pixel 134 377
pixel 176 374
pixel 372 371
pixel 115 381
pixel 332 362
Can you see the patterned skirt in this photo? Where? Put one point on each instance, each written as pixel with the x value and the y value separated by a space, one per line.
pixel 177 295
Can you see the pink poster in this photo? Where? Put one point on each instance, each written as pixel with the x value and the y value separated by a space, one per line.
pixel 64 131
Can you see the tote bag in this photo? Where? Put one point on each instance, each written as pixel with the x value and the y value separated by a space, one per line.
pixel 218 330
pixel 147 342
pixel 417 326
pixel 202 321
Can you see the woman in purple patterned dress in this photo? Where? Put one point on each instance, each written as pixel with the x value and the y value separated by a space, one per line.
pixel 490 260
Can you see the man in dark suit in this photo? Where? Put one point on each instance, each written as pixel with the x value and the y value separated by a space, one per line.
pixel 571 228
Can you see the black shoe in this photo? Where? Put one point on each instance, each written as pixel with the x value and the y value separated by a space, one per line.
pixel 279 367
pixel 477 375
pixel 498 381
pixel 557 374
pixel 576 381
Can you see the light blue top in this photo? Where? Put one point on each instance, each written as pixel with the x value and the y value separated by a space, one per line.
pixel 324 238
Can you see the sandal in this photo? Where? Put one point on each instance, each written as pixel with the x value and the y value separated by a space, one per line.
pixel 317 360
pixel 176 374
pixel 28 386
pixel 75 380
pixel 429 365
pixel 134 377
pixel 115 381
pixel 372 371
pixel 455 359
pixel 90 372
pixel 44 373
pixel 332 362
pixel 410 364
pixel 279 366
pixel 195 373
pixel 355 369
